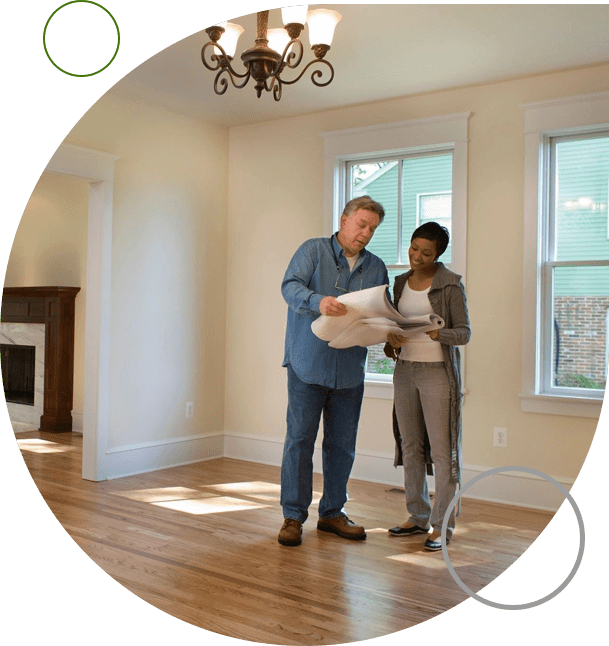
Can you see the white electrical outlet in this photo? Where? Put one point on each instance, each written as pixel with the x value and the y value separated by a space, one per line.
pixel 500 437
pixel 189 409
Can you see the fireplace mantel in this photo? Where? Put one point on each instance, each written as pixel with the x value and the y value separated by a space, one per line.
pixel 53 306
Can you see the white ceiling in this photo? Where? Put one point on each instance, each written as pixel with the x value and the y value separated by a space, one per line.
pixel 385 51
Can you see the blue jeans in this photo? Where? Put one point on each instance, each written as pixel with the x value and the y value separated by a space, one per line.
pixel 341 410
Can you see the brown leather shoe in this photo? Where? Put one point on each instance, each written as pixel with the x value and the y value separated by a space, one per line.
pixel 343 527
pixel 291 532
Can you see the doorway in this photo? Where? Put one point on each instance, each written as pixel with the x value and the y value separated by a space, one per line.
pixel 98 169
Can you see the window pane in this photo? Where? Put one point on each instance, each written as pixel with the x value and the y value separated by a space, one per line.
pixel 582 182
pixel 378 363
pixel 426 196
pixel 437 207
pixel 380 181
pixel 581 303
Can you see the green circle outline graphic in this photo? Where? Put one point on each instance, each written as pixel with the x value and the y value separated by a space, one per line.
pixel 44 34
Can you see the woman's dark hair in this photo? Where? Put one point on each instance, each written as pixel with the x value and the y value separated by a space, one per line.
pixel 436 232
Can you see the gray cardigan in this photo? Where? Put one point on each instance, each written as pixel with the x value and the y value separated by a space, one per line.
pixel 447 299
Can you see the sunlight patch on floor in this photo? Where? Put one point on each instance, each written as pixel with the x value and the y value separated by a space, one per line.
pixel 192 501
pixel 161 494
pixel 264 490
pixel 267 491
pixel 480 528
pixel 36 445
pixel 212 505
pixel 418 556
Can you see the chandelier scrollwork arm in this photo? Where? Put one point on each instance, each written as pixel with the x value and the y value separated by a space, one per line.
pixel 316 74
pixel 221 62
pixel 292 60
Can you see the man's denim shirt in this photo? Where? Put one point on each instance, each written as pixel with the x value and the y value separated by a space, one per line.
pixel 311 275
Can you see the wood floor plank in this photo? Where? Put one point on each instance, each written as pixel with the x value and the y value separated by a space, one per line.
pixel 199 542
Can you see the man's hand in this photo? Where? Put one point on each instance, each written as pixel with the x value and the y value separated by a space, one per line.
pixel 433 334
pixel 331 307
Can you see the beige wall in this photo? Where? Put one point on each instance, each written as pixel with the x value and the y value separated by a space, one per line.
pixel 50 248
pixel 168 269
pixel 276 202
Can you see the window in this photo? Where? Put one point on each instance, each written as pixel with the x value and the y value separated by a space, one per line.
pixel 418 171
pixel 566 288
pixel 576 266
pixel 414 188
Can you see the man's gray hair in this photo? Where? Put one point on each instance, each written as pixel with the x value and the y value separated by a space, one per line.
pixel 365 202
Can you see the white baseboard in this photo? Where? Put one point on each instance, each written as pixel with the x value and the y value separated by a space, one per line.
pixel 129 460
pixel 77 422
pixel 511 488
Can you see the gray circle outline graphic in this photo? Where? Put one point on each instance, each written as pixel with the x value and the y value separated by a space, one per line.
pixel 531 604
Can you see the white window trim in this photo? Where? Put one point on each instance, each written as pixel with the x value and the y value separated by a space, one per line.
pixel 569 115
pixel 416 135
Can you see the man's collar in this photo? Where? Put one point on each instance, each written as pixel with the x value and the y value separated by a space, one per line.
pixel 338 248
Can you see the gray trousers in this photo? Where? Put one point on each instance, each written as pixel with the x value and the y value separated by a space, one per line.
pixel 422 401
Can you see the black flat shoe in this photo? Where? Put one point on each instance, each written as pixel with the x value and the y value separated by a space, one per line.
pixel 407 531
pixel 434 545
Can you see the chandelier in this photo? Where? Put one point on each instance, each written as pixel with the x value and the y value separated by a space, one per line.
pixel 275 50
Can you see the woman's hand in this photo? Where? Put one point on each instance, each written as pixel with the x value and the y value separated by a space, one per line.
pixel 391 352
pixel 396 341
pixel 433 334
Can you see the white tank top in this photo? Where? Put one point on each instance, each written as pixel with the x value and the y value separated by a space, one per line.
pixel 420 347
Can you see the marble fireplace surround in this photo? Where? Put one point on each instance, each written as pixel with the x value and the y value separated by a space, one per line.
pixel 23 417
pixel 43 317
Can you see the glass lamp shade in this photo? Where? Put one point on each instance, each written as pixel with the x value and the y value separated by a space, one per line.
pixel 322 23
pixel 278 39
pixel 296 14
pixel 229 38
pixel 221 24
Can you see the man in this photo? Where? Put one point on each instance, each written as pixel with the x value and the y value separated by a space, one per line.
pixel 323 379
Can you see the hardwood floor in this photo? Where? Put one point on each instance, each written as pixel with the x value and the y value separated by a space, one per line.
pixel 200 543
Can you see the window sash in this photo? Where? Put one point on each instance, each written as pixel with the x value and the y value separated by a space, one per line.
pixel 551 143
pixel 545 341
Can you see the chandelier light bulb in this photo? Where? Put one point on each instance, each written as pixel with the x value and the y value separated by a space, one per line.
pixel 278 39
pixel 229 38
pixel 295 15
pixel 322 23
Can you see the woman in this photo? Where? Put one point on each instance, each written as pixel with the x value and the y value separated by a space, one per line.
pixel 427 385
